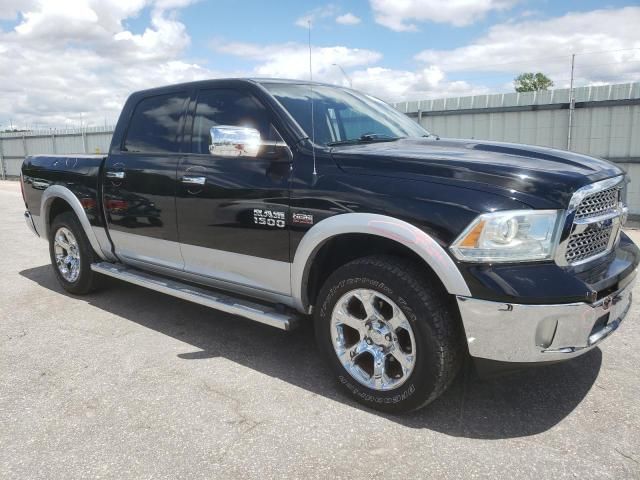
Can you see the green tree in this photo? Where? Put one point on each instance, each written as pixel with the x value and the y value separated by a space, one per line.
pixel 532 82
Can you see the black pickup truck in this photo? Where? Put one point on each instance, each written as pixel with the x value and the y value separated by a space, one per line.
pixel 282 201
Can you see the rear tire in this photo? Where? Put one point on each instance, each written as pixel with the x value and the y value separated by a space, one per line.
pixel 390 333
pixel 71 254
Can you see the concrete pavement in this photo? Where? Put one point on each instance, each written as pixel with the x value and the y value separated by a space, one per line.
pixel 129 383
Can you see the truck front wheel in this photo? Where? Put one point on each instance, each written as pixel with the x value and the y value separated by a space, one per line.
pixel 390 334
pixel 71 254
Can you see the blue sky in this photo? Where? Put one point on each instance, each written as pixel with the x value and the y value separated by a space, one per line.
pixel 65 59
pixel 208 20
pixel 211 21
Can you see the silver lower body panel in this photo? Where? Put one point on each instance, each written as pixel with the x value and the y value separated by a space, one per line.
pixel 232 268
pixel 508 332
pixel 209 282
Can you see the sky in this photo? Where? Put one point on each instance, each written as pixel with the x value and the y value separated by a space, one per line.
pixel 66 63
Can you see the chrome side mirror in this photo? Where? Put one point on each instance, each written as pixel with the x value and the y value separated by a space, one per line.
pixel 232 141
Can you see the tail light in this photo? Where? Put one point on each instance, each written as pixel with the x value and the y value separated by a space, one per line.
pixel 117 206
pixel 88 203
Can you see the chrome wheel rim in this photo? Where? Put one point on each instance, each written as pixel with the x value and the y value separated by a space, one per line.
pixel 67 254
pixel 373 339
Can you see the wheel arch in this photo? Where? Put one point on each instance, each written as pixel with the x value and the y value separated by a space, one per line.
pixel 399 232
pixel 53 201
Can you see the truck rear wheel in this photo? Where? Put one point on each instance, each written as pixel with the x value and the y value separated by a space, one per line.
pixel 71 254
pixel 390 334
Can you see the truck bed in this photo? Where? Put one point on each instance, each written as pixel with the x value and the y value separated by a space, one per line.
pixel 80 173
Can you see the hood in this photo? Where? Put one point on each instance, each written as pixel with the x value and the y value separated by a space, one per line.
pixel 538 176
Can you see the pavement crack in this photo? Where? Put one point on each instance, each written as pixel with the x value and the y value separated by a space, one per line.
pixel 21 334
pixel 627 456
pixel 244 426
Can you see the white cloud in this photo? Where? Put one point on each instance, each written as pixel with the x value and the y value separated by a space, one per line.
pixel 163 40
pixel 292 59
pixel 403 15
pixel 43 19
pixel 88 68
pixel 172 4
pixel 10 8
pixel 397 85
pixel 348 19
pixel 72 59
pixel 546 45
pixel 316 14
pixel 68 59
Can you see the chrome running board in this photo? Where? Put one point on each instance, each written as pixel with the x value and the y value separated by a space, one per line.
pixel 209 298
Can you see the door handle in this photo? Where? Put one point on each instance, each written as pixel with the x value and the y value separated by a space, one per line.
pixel 194 180
pixel 118 175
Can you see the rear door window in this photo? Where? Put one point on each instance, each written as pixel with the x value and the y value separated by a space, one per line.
pixel 155 124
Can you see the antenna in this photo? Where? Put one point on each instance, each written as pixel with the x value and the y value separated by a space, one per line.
pixel 313 129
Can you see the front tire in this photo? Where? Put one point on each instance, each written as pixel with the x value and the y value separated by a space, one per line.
pixel 390 333
pixel 71 254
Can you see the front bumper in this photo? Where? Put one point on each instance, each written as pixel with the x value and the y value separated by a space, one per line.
pixel 516 333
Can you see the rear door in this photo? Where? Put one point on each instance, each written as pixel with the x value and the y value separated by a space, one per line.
pixel 140 183
pixel 233 223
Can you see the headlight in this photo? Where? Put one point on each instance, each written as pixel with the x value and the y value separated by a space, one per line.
pixel 509 236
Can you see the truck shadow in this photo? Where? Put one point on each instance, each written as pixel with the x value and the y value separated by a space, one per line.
pixel 521 404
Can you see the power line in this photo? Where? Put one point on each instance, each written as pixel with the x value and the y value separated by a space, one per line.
pixel 609 51
pixel 621 62
pixel 536 60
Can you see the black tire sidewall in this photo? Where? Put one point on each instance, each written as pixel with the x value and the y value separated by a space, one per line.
pixel 422 383
pixel 84 282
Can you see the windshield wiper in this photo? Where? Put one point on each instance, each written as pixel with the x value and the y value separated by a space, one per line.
pixel 365 138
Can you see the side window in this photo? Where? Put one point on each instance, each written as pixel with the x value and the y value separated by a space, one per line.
pixel 154 124
pixel 228 107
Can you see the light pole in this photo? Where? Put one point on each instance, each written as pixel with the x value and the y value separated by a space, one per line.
pixel 344 73
pixel 572 102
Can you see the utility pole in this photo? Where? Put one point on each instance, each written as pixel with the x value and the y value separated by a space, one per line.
pixel 572 102
pixel 3 167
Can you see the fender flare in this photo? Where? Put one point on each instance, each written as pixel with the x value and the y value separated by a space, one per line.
pixel 58 191
pixel 373 224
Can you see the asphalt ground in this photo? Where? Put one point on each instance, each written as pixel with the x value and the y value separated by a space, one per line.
pixel 129 383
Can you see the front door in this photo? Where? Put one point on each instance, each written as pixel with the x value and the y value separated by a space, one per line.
pixel 140 183
pixel 232 211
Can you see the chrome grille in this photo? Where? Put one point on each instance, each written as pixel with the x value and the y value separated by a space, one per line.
pixel 596 222
pixel 588 244
pixel 598 203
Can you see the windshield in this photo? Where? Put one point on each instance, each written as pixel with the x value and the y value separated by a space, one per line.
pixel 343 116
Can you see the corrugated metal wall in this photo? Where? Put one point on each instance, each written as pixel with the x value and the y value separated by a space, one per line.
pixel 606 120
pixel 15 146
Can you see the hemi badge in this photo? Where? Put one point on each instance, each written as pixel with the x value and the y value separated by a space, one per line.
pixel 302 219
